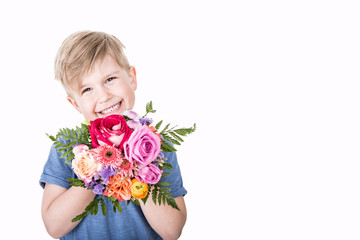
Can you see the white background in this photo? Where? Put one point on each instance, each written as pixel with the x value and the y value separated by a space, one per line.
pixel 272 85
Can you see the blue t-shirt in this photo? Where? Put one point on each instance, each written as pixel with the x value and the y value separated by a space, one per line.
pixel 130 224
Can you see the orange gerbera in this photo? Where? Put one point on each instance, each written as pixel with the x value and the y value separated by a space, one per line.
pixel 119 187
pixel 139 189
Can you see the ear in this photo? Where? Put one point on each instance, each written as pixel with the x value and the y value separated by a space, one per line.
pixel 74 103
pixel 132 75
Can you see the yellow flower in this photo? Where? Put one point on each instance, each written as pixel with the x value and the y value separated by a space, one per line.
pixel 139 189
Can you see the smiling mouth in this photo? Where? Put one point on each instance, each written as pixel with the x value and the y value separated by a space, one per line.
pixel 111 109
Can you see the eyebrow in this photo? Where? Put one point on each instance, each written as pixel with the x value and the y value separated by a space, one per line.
pixel 113 73
pixel 82 85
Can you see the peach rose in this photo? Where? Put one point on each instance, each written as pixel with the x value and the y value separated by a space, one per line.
pixel 85 166
pixel 119 187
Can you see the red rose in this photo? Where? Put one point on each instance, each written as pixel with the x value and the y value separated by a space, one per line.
pixel 111 130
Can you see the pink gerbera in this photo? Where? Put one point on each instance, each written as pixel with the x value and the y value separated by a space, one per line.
pixel 126 168
pixel 108 155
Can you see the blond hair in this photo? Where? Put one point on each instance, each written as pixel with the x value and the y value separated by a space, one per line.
pixel 80 51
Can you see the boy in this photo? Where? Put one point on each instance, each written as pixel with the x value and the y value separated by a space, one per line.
pixel 99 82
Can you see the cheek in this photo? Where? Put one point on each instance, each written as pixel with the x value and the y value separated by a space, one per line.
pixel 125 92
pixel 88 110
pixel 130 98
pixel 124 88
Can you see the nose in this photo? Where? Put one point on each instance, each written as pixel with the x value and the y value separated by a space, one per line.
pixel 103 94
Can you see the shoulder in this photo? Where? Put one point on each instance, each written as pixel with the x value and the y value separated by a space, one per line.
pixel 174 177
pixel 56 170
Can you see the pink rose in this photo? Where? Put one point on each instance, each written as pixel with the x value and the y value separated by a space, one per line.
pixel 131 114
pixel 111 130
pixel 80 148
pixel 143 146
pixel 85 166
pixel 133 121
pixel 150 174
pixel 134 124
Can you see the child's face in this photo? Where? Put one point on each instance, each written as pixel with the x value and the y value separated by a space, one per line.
pixel 107 89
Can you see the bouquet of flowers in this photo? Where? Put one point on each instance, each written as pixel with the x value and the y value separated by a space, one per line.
pixel 120 157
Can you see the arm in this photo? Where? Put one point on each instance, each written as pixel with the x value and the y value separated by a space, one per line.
pixel 61 205
pixel 165 220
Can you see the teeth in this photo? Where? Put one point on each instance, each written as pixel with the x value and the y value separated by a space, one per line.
pixel 111 109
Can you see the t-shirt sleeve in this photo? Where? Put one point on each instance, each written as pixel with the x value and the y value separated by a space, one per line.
pixel 174 178
pixel 56 171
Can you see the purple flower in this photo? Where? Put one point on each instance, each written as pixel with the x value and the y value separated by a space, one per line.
pixel 144 121
pixel 98 188
pixel 161 155
pixel 105 173
pixel 96 177
pixel 89 185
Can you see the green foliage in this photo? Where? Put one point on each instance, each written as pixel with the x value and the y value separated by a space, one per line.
pixel 172 135
pixel 149 109
pixel 135 201
pixel 157 126
pixel 116 206
pixel 76 182
pixel 165 174
pixel 103 208
pixel 166 166
pixel 91 208
pixel 72 137
pixel 145 199
pixel 165 147
pixel 161 195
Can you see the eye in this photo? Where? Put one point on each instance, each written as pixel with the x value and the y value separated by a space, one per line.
pixel 109 79
pixel 85 90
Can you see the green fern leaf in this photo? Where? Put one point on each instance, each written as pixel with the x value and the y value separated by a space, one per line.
pixel 171 202
pixel 166 166
pixel 80 216
pixel 167 147
pixel 154 194
pixel 103 206
pixel 177 137
pixel 117 206
pixel 185 131
pixel 165 174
